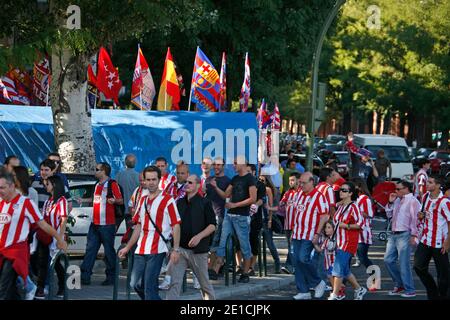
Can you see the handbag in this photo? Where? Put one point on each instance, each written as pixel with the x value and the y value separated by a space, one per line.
pixel 168 242
pixel 331 245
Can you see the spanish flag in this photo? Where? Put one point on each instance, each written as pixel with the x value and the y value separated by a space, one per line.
pixel 169 92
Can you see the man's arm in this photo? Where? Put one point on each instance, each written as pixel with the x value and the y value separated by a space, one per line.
pixel 132 242
pixel 61 244
pixel 245 203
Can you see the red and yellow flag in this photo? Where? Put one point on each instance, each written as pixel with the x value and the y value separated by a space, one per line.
pixel 169 92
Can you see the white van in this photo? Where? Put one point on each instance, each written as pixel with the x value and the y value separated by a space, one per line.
pixel 395 149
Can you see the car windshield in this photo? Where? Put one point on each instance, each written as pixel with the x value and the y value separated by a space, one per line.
pixel 395 154
pixel 443 155
pixel 82 196
pixel 342 157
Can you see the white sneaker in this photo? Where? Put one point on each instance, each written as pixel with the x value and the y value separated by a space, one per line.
pixel 302 296
pixel 163 269
pixel 328 288
pixel 359 294
pixel 320 289
pixel 333 297
pixel 196 282
pixel 165 285
pixel 356 264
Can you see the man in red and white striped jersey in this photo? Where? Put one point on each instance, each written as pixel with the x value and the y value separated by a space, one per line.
pixel 155 221
pixel 435 241
pixel 167 179
pixel 420 180
pixel 103 227
pixel 289 201
pixel 325 187
pixel 312 213
pixel 17 213
pixel 178 188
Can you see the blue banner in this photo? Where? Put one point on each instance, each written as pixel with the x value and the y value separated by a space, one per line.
pixel 28 133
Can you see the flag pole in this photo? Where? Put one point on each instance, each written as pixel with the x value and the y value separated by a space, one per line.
pixel 192 80
pixel 190 98
pixel 140 87
pixel 165 99
pixel 48 86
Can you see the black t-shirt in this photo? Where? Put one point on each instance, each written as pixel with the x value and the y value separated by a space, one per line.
pixel 260 194
pixel 196 214
pixel 218 204
pixel 241 192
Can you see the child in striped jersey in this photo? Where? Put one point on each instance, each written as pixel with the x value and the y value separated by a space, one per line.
pixel 327 233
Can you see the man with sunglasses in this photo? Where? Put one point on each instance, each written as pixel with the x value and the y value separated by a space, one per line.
pixel 403 208
pixel 197 226
pixel 103 226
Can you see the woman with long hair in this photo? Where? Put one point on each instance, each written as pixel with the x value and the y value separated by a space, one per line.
pixel 348 222
pixel 365 236
pixel 55 212
pixel 23 185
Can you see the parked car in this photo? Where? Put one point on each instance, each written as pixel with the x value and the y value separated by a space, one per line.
pixel 335 138
pixel 436 158
pixel 301 158
pixel 82 192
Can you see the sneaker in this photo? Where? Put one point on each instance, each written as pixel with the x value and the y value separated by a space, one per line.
pixel 320 289
pixel 356 264
pixel 60 293
pixel 359 294
pixel 30 290
pixel 302 296
pixel 341 294
pixel 408 295
pixel 285 270
pixel 40 294
pixel 196 282
pixel 333 297
pixel 397 291
pixel 239 270
pixel 213 275
pixel 244 278
pixel 372 289
pixel 165 285
pixel 328 288
pixel 251 272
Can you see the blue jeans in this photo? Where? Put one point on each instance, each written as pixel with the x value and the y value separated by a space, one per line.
pixel 144 277
pixel 268 234
pixel 241 226
pixel 363 249
pixel 399 248
pixel 97 236
pixel 306 275
pixel 318 260
pixel 289 259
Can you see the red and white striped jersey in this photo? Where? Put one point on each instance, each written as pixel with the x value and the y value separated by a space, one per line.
pixel 437 215
pixel 164 213
pixel 54 212
pixel 307 217
pixel 420 182
pixel 166 181
pixel 178 191
pixel 290 200
pixel 347 240
pixel 135 199
pixel 16 218
pixel 365 206
pixel 329 255
pixel 327 190
pixel 103 212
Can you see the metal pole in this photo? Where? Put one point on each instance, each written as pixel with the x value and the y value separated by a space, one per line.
pixel 314 80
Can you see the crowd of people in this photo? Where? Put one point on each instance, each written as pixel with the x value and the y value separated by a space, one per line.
pixel 184 221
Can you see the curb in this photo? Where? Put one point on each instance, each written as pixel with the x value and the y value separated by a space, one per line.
pixel 252 289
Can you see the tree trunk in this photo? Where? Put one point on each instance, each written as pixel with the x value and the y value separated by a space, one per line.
pixel 71 115
pixel 387 122
pixel 347 121
pixel 402 124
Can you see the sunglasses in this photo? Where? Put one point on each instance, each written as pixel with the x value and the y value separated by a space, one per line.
pixel 344 190
pixel 398 189
pixel 97 169
pixel 190 182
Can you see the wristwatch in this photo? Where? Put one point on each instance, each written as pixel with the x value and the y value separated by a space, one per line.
pixel 348 226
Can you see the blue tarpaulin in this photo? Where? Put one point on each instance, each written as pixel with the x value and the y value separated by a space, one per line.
pixel 28 133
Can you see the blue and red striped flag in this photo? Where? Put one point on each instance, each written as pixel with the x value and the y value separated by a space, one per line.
pixel 263 116
pixel 205 86
pixel 276 118
pixel 245 90
pixel 223 84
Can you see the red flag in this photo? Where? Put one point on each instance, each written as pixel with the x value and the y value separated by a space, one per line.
pixel 169 92
pixel 143 89
pixel 245 90
pixel 41 81
pixel 108 80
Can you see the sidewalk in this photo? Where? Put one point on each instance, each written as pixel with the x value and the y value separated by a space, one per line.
pixel 256 285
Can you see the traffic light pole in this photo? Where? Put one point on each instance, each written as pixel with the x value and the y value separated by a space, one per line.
pixel 315 76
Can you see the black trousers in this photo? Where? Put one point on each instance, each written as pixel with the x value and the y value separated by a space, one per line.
pixel 8 282
pixel 422 259
pixel 40 260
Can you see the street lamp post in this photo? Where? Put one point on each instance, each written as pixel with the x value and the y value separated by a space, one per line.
pixel 315 76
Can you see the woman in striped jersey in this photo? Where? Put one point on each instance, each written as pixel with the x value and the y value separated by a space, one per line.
pixel 55 212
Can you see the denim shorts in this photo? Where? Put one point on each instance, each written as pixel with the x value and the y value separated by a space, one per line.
pixel 330 271
pixel 341 267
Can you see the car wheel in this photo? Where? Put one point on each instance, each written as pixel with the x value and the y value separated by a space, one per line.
pixel 382 236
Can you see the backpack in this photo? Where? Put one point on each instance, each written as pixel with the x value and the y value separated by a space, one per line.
pixel 119 209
